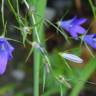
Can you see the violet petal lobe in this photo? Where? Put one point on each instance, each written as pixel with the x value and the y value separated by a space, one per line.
pixel 9 49
pixel 73 34
pixel 5 54
pixel 79 29
pixel 9 46
pixel 3 62
pixel 71 20
pixel 90 40
pixel 80 21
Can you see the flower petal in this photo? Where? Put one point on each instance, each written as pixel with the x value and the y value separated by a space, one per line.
pixel 73 34
pixel 79 29
pixel 3 61
pixel 65 23
pixel 90 40
pixel 73 19
pixel 6 46
pixel 9 49
pixel 80 21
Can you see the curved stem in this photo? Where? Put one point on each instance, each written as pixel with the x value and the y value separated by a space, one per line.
pixel 35 28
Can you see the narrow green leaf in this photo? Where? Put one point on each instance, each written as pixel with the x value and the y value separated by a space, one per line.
pixel 6 88
pixel 85 74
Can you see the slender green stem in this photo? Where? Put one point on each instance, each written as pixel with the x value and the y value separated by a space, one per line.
pixel 61 90
pixel 2 10
pixel 15 13
pixel 38 35
pixel 35 28
pixel 37 60
pixel 58 29
pixel 93 9
pixel 13 10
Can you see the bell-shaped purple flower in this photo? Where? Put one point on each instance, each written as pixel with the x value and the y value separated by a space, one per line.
pixel 5 54
pixel 73 26
pixel 90 40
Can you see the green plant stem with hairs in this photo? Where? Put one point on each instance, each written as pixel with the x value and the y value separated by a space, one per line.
pixel 38 35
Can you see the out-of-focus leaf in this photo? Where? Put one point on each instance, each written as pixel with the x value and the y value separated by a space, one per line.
pixel 6 88
pixel 85 74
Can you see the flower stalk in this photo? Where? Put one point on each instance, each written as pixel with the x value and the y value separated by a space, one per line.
pixel 38 36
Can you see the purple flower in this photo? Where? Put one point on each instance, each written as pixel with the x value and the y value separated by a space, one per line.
pixel 5 54
pixel 90 40
pixel 73 26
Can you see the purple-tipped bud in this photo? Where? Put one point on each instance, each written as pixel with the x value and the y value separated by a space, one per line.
pixel 71 57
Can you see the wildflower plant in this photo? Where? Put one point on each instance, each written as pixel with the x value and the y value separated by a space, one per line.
pixel 73 26
pixel 42 60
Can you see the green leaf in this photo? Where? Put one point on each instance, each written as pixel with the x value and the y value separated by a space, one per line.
pixel 85 75
pixel 6 88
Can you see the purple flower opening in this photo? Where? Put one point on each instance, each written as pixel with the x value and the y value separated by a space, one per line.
pixel 5 54
pixel 90 40
pixel 73 26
